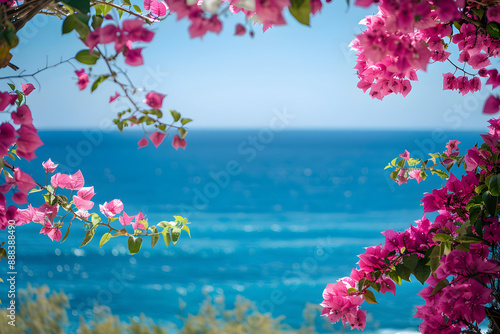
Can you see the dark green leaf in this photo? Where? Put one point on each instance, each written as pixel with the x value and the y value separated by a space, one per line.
pixel 494 185
pixel 134 245
pixel 403 272
pixel 439 286
pixel 491 203
pixel 87 58
pixel 81 5
pixel 127 2
pixel 492 30
pixel 395 277
pixel 3 253
pixel 12 86
pixel 422 271
pixel 77 22
pixel 154 239
pixel 411 262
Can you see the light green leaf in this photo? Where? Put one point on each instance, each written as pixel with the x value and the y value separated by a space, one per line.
pixel 370 297
pixel 105 238
pixel 87 58
pixel 88 237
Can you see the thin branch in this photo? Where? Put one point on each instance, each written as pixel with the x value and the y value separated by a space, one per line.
pixel 21 75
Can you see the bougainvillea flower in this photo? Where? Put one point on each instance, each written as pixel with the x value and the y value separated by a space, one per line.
pixel 158 8
pixel 22 115
pixel 154 100
pixel 6 99
pixel 27 88
pixel 133 57
pixel 137 223
pixel 240 30
pixel 24 182
pixel 112 208
pixel 73 182
pixel 143 142
pixel 492 105
pixel 157 138
pixel 49 166
pixel 178 142
pixel 83 79
pixel 114 97
pixel 125 219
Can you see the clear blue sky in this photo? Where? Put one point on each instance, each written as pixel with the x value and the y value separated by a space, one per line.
pixel 225 81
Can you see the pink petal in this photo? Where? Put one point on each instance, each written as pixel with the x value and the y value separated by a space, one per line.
pixel 240 30
pixel 114 97
pixel 27 88
pixel 492 105
pixel 143 142
pixel 157 138
pixel 178 142
pixel 19 198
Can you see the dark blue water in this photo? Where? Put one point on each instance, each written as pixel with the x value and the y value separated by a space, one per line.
pixel 275 217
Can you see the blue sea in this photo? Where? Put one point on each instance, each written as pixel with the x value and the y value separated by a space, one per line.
pixel 275 216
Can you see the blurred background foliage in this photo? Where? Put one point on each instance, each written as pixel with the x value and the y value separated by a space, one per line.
pixel 41 310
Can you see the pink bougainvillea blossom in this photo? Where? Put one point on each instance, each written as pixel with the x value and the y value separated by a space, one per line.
pixel 112 208
pixel 178 142
pixel 83 79
pixel 154 100
pixel 27 88
pixel 49 166
pixel 157 138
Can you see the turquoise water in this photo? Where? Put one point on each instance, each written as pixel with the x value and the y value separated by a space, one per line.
pixel 274 218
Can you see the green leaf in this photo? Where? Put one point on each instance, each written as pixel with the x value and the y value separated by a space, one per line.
pixel 439 173
pixel 88 236
pixel 134 244
pixel 67 233
pixel 301 10
pixel 175 115
pixel 102 9
pixel 105 238
pixel 97 21
pixel 394 175
pixel 95 219
pixel 185 121
pixel 137 9
pixel 154 239
pixel 494 185
pixel 445 248
pixel 370 297
pixel 78 22
pixel 164 224
pixel 479 12
pixel 395 277
pixel 13 87
pixel 183 132
pixel 442 237
pixel 434 256
pixel 121 232
pixel 351 290
pixel 3 253
pixel 176 233
pixel 127 2
pixel 439 286
pixel 403 272
pixel 401 163
pixel 81 5
pixel 186 228
pixel 98 81
pixel 422 271
pixel 87 58
pixel 393 162
pixel 166 237
pixel 465 239
pixel 492 30
pixel 411 262
pixel 491 203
